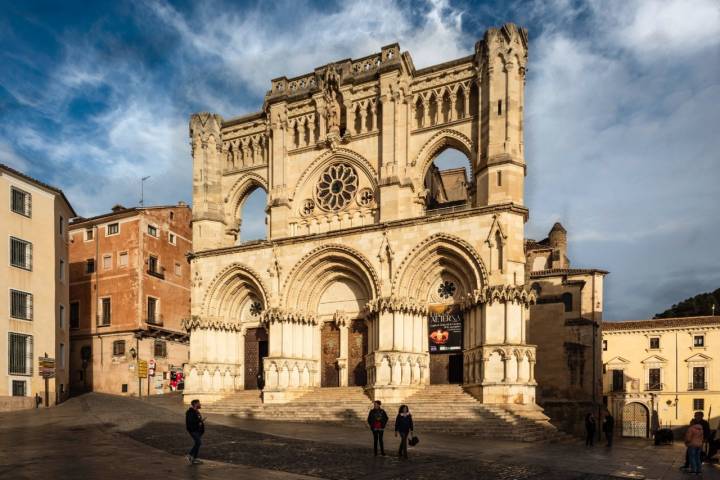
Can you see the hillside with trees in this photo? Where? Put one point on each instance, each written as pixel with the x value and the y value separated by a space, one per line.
pixel 696 306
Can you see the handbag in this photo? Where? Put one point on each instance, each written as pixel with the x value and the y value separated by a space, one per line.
pixel 414 440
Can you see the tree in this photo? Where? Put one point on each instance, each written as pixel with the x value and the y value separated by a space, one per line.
pixel 696 306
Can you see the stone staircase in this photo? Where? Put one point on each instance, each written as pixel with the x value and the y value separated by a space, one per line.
pixel 435 408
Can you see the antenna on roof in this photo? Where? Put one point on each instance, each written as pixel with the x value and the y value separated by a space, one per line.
pixel 142 189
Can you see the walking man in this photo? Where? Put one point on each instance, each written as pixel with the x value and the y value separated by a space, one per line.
pixel 694 443
pixel 608 428
pixel 195 426
pixel 377 419
pixel 589 430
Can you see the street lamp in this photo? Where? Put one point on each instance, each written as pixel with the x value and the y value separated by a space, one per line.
pixel 133 353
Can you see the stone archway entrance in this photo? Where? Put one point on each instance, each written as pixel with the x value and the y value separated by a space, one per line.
pixel 256 348
pixel 330 342
pixel 357 349
pixel 635 420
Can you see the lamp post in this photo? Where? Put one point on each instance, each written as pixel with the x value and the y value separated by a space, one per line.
pixel 142 189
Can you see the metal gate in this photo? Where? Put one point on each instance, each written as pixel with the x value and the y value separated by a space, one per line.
pixel 635 420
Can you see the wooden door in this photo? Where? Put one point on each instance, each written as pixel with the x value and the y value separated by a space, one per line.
pixel 330 341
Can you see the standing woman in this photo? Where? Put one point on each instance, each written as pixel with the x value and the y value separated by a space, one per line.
pixel 589 430
pixel 404 426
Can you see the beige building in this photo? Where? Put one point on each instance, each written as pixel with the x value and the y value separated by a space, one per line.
pixel 34 281
pixel 565 326
pixel 375 271
pixel 657 373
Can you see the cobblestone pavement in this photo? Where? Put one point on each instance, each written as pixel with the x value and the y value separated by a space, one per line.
pixel 102 436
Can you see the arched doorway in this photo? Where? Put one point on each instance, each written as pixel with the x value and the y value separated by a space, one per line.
pixel 256 349
pixel 635 420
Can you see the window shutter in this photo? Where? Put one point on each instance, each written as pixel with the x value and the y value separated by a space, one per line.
pixel 29 351
pixel 29 255
pixel 29 306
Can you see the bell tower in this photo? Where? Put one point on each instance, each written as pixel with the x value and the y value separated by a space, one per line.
pixel 501 58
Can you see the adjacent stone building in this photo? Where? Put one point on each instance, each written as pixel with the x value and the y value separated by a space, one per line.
pixel 658 373
pixel 372 260
pixel 34 284
pixel 129 291
pixel 566 328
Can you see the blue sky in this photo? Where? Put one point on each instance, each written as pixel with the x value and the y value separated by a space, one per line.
pixel 622 135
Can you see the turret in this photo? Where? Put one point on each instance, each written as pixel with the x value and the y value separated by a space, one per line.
pixel 558 242
pixel 208 217
pixel 501 58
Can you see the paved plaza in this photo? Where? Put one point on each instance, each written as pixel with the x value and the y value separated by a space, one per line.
pixel 102 436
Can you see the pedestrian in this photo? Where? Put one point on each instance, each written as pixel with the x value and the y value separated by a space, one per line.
pixel 377 419
pixel 195 425
pixel 694 443
pixel 403 426
pixel 608 428
pixel 699 417
pixel 589 430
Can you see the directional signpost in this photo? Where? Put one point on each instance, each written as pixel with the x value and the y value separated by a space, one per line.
pixel 47 371
pixel 142 369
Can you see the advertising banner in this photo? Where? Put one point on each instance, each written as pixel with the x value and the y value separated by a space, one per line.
pixel 445 329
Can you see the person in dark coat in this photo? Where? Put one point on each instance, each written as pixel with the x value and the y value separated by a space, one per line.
pixel 609 428
pixel 195 425
pixel 589 430
pixel 377 419
pixel 403 426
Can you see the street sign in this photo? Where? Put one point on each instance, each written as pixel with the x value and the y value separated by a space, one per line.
pixel 47 367
pixel 151 367
pixel 142 371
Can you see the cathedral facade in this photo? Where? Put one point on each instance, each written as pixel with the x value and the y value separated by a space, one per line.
pixel 379 269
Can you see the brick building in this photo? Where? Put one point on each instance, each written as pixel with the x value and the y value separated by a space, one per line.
pixel 129 291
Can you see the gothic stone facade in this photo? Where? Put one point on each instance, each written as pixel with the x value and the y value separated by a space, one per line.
pixel 357 252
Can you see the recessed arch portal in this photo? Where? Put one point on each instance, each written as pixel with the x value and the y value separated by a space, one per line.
pixel 235 294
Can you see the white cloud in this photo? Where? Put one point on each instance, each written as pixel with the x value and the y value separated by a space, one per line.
pixel 10 157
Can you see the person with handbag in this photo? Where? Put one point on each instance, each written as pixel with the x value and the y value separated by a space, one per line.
pixel 377 419
pixel 403 426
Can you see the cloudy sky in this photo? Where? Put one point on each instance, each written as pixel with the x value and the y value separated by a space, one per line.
pixel 622 122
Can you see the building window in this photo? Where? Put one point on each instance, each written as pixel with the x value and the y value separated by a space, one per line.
pixel 618 379
pixel 160 349
pixel 107 262
pixel 20 354
pixel 61 314
pixel 172 216
pixel 124 388
pixel 152 310
pixel 75 315
pixel 654 379
pixel 152 231
pixel 154 267
pixel 123 259
pixel 172 239
pixel 605 345
pixel 112 229
pixel 118 348
pixel 698 404
pixel 654 343
pixel 61 225
pixel 499 179
pixel 61 354
pixel 699 341
pixel 89 234
pixel 90 266
pixel 21 202
pixel 20 253
pixel 19 388
pixel 567 300
pixel 21 305
pixel 698 379
pixel 61 272
pixel 178 269
pixel 106 314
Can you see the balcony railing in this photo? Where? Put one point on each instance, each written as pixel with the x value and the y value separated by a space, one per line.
pixel 697 386
pixel 156 320
pixel 653 386
pixel 618 388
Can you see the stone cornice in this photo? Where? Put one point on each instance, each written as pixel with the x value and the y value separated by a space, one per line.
pixel 474 211
pixel 499 293
pixel 216 323
pixel 282 315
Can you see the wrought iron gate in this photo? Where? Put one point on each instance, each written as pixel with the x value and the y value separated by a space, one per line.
pixel 635 420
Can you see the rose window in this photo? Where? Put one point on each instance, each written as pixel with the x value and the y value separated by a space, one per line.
pixel 255 309
pixel 446 289
pixel 337 187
